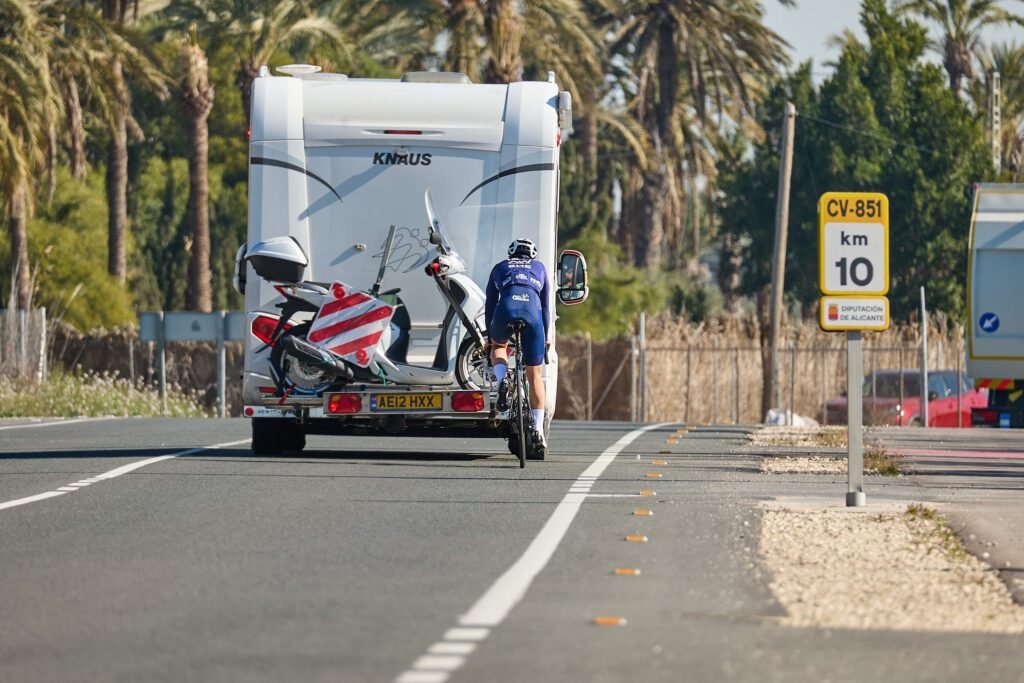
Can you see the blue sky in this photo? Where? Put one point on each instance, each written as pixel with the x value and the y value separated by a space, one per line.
pixel 809 26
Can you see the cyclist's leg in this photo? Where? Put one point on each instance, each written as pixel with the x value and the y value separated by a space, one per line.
pixel 533 352
pixel 533 376
pixel 499 334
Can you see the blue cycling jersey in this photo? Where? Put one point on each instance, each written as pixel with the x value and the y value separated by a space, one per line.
pixel 518 289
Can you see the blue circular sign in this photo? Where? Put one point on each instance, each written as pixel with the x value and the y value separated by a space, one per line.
pixel 988 322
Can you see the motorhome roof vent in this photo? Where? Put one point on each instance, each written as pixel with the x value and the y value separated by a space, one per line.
pixel 297 69
pixel 435 77
pixel 329 76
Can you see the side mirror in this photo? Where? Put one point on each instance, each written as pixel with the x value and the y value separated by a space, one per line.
pixel 573 284
pixel 238 281
pixel 565 111
pixel 932 395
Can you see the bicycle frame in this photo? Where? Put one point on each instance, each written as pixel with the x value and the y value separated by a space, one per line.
pixel 520 415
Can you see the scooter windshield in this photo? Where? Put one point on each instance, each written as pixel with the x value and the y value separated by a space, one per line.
pixel 436 228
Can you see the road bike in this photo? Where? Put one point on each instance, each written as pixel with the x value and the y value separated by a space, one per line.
pixel 521 441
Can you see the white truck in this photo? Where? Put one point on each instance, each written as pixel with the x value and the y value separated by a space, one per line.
pixel 339 165
pixel 995 307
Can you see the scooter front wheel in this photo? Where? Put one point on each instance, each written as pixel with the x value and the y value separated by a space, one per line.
pixel 471 366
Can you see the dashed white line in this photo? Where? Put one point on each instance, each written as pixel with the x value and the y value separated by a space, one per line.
pixel 114 473
pixel 449 648
pixel 505 593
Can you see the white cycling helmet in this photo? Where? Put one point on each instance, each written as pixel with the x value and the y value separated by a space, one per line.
pixel 522 248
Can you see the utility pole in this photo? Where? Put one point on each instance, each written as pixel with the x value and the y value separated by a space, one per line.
pixel 995 119
pixel 771 395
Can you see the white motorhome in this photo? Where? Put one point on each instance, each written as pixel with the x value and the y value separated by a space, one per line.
pixel 995 309
pixel 336 162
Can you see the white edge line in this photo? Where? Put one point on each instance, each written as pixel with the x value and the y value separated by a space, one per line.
pixel 495 604
pixel 505 593
pixel 57 423
pixel 117 472
pixel 31 499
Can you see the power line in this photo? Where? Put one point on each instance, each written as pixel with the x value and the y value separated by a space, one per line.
pixel 864 133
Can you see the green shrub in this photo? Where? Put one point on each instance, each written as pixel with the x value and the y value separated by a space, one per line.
pixel 74 394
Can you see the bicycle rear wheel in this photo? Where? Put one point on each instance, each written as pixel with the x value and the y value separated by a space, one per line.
pixel 521 409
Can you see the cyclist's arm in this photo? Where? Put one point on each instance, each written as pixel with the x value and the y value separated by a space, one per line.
pixel 492 301
pixel 545 304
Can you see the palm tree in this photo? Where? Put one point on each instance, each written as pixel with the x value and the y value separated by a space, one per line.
pixel 28 109
pixel 699 66
pixel 254 29
pixel 486 40
pixel 1008 60
pixel 465 24
pixel 118 114
pixel 81 51
pixel 197 94
pixel 395 35
pixel 961 22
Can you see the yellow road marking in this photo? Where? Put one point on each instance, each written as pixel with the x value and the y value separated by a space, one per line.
pixel 642 512
pixel 648 493
pixel 609 621
pixel 637 538
pixel 627 572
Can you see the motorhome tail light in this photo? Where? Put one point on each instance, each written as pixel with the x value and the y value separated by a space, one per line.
pixel 403 132
pixel 344 403
pixel 985 416
pixel 263 327
pixel 467 401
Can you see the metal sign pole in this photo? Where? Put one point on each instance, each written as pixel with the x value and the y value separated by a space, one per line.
pixel 855 496
pixel 221 363
pixel 161 343
pixel 924 362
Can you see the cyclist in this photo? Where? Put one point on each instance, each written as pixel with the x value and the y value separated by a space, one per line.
pixel 518 289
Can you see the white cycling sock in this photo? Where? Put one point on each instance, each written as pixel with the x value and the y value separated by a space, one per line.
pixel 538 418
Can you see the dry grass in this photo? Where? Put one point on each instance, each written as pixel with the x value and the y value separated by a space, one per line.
pixel 880 462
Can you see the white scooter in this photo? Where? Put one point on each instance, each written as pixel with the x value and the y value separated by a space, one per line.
pixel 302 369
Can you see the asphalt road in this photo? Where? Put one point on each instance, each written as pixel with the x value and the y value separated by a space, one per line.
pixel 128 555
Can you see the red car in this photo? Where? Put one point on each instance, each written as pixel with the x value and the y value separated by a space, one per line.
pixel 882 405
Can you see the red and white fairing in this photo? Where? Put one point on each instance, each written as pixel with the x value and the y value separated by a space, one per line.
pixel 350 324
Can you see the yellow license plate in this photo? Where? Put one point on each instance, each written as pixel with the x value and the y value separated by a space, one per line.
pixel 405 402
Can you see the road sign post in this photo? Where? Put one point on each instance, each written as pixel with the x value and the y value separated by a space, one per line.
pixel 853 276
pixel 218 326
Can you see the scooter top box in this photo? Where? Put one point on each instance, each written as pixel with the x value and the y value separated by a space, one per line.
pixel 280 259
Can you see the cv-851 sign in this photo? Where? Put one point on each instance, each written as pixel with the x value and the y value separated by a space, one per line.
pixel 854 240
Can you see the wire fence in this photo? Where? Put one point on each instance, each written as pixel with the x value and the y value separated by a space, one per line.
pixel 23 348
pixel 720 383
